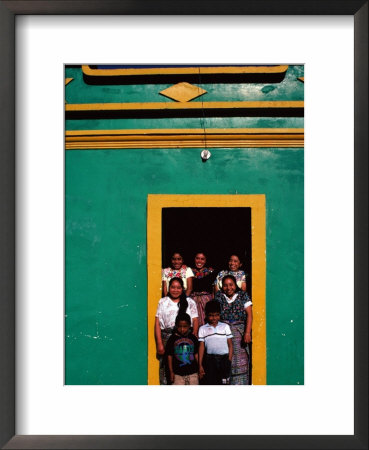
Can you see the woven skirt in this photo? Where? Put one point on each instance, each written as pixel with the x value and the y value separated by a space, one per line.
pixel 240 361
pixel 163 366
pixel 201 299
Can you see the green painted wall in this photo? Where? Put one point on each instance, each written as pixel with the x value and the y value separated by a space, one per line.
pixel 106 288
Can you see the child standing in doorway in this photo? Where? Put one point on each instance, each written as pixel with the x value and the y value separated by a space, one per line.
pixel 234 268
pixel 182 353
pixel 177 269
pixel 169 308
pixel 202 285
pixel 215 347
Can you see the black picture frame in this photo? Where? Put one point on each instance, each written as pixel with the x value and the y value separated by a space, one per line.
pixel 8 11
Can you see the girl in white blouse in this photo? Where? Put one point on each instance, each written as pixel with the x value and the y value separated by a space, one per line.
pixel 174 303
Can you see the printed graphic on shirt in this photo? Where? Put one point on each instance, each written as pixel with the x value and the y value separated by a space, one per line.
pixel 184 351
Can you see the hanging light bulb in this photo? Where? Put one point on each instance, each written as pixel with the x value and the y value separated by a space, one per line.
pixel 205 155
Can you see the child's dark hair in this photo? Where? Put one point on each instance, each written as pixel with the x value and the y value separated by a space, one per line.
pixel 238 256
pixel 175 252
pixel 231 277
pixel 183 317
pixel 212 306
pixel 169 256
pixel 183 303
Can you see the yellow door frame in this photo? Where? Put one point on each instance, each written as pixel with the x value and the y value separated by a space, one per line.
pixel 155 204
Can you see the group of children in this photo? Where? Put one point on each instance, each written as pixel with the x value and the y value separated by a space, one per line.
pixel 207 358
pixel 203 324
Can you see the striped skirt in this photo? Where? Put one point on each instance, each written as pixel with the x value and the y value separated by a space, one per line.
pixel 240 361
pixel 201 299
pixel 163 366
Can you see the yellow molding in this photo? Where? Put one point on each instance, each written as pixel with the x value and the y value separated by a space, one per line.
pixel 185 70
pixel 183 131
pixel 184 138
pixel 181 144
pixel 155 204
pixel 157 106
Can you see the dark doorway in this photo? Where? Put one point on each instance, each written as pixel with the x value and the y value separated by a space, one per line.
pixel 217 232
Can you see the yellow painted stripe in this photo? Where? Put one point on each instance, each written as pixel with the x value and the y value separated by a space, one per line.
pixel 87 70
pixel 119 145
pixel 185 131
pixel 184 138
pixel 152 106
pixel 188 137
pixel 155 203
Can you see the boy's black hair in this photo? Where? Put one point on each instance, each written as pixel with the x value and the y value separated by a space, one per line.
pixel 183 316
pixel 212 307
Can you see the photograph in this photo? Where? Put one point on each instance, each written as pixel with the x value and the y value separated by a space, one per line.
pixel 184 224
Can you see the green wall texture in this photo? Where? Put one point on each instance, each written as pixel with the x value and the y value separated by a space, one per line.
pixel 106 287
pixel 105 235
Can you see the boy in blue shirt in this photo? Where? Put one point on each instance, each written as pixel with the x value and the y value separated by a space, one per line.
pixel 182 353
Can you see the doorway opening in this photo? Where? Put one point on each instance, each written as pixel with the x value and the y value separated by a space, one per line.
pixel 218 225
pixel 216 232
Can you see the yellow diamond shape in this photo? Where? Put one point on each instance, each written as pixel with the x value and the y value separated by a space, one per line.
pixel 183 92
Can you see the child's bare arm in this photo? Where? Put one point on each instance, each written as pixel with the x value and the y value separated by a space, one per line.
pixel 159 343
pixel 195 326
pixel 189 286
pixel 201 357
pixel 247 335
pixel 230 349
pixel 170 365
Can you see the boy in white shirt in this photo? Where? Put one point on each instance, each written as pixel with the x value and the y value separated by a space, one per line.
pixel 215 347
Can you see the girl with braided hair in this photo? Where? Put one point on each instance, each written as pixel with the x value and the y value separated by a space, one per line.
pixel 169 307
